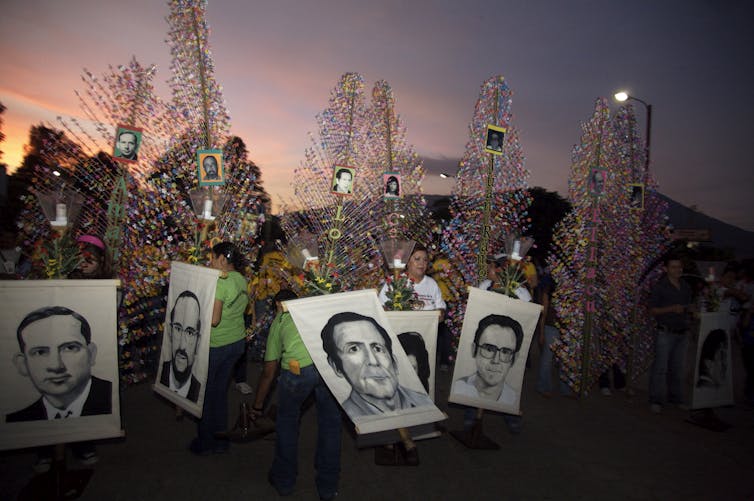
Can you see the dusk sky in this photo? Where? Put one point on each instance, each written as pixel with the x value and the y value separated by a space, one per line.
pixel 277 61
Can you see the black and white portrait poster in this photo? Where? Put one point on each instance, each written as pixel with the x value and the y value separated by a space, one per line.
pixel 495 338
pixel 713 377
pixel 59 362
pixel 417 334
pixel 360 358
pixel 182 372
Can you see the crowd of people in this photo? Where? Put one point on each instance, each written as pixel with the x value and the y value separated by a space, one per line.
pixel 238 303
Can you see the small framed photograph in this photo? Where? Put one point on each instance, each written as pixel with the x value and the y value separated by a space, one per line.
pixel 210 168
pixel 342 180
pixel 597 180
pixel 494 140
pixel 391 185
pixel 637 196
pixel 127 144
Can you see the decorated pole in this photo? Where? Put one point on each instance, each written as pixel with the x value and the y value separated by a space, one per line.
pixel 336 229
pixel 485 241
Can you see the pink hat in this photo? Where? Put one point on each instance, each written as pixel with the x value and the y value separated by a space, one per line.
pixel 91 239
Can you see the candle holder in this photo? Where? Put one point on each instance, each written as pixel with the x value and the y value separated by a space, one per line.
pixel 60 255
pixel 400 289
pixel 302 251
pixel 395 252
pixel 208 202
pixel 516 247
pixel 61 208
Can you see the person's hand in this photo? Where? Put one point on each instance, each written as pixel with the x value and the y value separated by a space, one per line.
pixel 255 413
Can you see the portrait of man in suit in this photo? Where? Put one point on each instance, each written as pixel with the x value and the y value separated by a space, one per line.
pixel 185 331
pixel 57 354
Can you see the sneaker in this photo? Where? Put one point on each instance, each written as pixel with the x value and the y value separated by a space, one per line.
pixel 42 464
pixel 244 388
pixel 655 408
pixel 88 458
pixel 606 391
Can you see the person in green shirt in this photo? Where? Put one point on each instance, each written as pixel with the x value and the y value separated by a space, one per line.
pixel 298 379
pixel 226 345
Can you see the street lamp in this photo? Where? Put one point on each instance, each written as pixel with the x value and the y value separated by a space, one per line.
pixel 624 96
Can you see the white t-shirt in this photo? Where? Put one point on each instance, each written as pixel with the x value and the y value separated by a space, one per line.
pixel 427 291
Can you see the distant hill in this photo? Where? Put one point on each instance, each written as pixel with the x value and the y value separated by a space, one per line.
pixel 722 235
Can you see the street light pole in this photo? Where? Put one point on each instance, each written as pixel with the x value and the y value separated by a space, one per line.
pixel 623 96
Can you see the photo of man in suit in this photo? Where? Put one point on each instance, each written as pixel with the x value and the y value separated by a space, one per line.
pixel 343 181
pixel 127 145
pixel 185 331
pixel 57 355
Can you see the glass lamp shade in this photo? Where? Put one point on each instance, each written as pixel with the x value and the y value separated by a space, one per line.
pixel 302 250
pixel 60 208
pixel 516 247
pixel 208 202
pixel 396 252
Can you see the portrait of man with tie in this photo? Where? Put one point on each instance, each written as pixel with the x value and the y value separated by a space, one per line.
pixel 57 355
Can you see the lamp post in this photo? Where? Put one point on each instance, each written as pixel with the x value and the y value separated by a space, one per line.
pixel 624 96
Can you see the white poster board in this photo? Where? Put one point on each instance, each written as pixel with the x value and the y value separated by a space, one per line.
pixel 407 325
pixel 67 367
pixel 713 371
pixel 182 372
pixel 489 373
pixel 373 369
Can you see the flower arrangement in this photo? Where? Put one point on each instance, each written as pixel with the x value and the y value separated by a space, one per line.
pixel 320 279
pixel 510 277
pixel 512 272
pixel 59 256
pixel 400 294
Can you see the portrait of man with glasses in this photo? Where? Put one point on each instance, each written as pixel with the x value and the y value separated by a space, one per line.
pixel 497 341
pixel 185 331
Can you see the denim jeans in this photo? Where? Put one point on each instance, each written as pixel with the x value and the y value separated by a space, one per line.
pixel 215 410
pixel 670 354
pixel 292 391
pixel 544 379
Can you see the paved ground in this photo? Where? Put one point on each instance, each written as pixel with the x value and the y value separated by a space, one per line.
pixel 594 448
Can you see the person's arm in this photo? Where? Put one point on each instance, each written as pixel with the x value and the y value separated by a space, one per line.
pixel 263 387
pixel 217 313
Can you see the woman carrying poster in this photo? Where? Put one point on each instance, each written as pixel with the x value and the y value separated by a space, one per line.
pixel 227 342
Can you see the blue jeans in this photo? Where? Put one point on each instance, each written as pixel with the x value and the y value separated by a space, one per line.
pixel 670 353
pixel 215 410
pixel 292 391
pixel 544 380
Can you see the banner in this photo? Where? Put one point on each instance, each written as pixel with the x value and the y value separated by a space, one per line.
pixel 495 338
pixel 182 372
pixel 713 372
pixel 362 362
pixel 60 362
